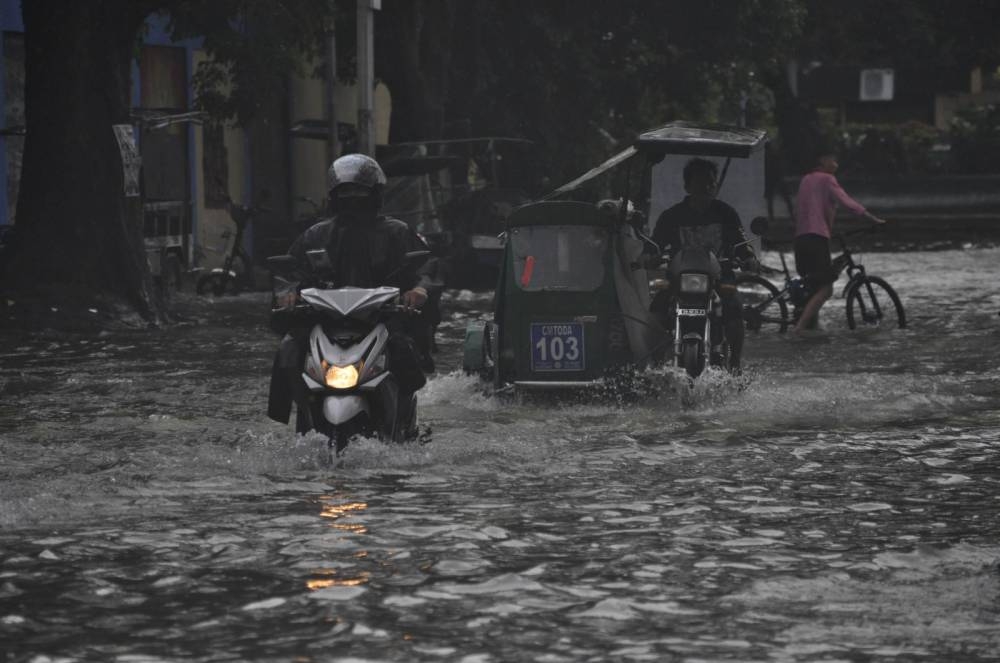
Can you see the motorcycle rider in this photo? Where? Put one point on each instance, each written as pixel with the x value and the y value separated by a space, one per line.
pixel 704 221
pixel 355 247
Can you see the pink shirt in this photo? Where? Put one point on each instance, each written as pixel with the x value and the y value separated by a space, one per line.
pixel 816 205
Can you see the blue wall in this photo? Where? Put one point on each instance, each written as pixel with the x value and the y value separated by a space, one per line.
pixel 10 16
pixel 157 34
pixel 10 21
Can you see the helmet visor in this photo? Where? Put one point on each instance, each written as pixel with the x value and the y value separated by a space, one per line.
pixel 351 190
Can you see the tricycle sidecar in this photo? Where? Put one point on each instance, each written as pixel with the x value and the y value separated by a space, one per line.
pixel 571 302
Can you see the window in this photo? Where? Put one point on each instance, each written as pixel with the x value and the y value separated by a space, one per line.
pixel 567 258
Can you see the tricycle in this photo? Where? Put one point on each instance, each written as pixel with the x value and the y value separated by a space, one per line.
pixel 573 301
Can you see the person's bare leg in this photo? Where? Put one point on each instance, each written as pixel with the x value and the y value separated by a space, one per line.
pixel 813 306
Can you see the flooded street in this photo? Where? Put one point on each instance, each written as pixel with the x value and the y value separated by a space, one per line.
pixel 841 502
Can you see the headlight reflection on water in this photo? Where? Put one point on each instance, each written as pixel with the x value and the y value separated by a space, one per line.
pixel 361 578
pixel 335 510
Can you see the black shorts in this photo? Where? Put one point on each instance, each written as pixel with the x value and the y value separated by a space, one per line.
pixel 812 260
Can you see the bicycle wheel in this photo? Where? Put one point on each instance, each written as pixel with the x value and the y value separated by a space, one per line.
pixel 871 302
pixel 764 306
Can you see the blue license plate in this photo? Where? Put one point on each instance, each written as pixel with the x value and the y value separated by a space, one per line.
pixel 557 346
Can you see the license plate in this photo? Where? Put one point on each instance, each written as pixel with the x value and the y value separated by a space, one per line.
pixel 691 312
pixel 557 346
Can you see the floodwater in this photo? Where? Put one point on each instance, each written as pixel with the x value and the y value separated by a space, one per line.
pixel 841 502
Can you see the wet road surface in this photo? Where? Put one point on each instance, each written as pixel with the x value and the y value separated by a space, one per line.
pixel 838 503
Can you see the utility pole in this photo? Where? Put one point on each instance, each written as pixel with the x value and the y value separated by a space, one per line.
pixel 366 75
pixel 333 137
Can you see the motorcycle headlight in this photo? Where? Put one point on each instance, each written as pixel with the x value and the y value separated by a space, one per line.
pixel 694 284
pixel 341 377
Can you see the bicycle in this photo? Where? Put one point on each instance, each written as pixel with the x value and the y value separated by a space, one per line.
pixel 871 301
pixel 236 273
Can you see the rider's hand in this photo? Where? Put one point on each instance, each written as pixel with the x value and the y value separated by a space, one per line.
pixel 415 298
pixel 750 264
pixel 286 300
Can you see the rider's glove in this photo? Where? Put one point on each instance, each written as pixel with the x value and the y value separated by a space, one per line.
pixel 414 298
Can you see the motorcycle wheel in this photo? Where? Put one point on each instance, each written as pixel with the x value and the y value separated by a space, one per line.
pixel 871 302
pixel 243 267
pixel 218 284
pixel 338 441
pixel 763 307
pixel 692 358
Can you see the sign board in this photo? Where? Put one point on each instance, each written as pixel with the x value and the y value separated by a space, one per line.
pixel 131 161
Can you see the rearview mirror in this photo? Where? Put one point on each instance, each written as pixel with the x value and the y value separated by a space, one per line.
pixel 759 226
pixel 281 264
pixel 319 259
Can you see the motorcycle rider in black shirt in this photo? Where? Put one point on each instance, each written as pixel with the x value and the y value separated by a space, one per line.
pixel 704 221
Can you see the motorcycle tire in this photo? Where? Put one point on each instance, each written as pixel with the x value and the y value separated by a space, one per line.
pixel 217 284
pixel 692 358
pixel 339 440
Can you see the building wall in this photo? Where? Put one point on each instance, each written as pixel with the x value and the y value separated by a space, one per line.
pixel 214 221
pixel 310 158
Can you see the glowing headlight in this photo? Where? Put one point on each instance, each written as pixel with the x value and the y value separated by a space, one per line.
pixel 341 377
pixel 694 284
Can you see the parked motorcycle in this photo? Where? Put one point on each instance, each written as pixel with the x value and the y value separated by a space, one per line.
pixel 350 386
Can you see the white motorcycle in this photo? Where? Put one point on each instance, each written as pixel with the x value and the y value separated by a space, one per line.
pixel 349 381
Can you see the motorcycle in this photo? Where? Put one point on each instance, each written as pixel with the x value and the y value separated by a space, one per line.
pixel 697 311
pixel 697 290
pixel 350 387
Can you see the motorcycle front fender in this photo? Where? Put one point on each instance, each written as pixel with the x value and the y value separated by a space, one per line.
pixel 341 409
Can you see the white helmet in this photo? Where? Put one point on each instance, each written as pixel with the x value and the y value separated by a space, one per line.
pixel 355 169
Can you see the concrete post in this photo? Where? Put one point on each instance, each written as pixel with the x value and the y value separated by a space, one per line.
pixel 333 139
pixel 366 75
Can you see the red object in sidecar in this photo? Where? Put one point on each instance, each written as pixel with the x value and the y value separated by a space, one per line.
pixel 529 268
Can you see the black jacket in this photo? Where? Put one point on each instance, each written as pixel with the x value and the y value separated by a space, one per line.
pixel 367 256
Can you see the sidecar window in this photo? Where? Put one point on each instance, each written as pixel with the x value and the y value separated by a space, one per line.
pixel 563 258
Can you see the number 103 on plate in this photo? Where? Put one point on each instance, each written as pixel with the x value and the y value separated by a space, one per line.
pixel 557 346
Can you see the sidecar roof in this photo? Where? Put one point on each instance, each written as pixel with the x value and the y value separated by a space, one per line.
pixel 557 213
pixel 693 138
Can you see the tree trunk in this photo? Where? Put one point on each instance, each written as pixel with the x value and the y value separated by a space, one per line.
pixel 79 234
pixel 413 56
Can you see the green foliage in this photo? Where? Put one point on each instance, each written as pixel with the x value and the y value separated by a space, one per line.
pixel 583 83
pixel 889 149
pixel 254 45
pixel 920 34
pixel 975 139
